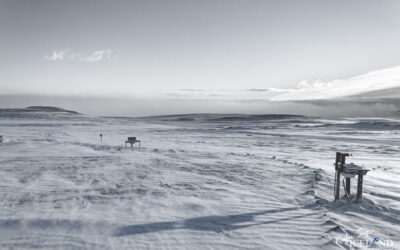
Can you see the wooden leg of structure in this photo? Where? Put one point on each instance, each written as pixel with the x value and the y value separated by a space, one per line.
pixel 348 186
pixel 337 190
pixel 359 186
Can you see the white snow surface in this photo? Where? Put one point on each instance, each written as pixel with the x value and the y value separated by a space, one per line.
pixel 198 182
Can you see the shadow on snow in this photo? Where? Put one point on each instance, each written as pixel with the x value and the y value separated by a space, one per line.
pixel 208 223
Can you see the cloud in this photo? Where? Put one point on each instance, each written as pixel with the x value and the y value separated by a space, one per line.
pixel 98 56
pixel 68 55
pixel 383 83
pixel 56 55
pixel 193 90
pixel 319 90
pixel 257 90
pixel 278 90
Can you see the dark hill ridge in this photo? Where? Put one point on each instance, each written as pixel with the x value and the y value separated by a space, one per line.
pixel 225 117
pixel 49 109
pixel 38 109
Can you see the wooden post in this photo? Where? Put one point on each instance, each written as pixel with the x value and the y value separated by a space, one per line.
pixel 359 186
pixel 337 177
pixel 348 185
pixel 342 161
pixel 339 167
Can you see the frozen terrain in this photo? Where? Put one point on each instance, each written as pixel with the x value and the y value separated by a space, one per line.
pixel 198 182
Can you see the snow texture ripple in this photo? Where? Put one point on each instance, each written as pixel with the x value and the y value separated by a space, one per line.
pixel 198 182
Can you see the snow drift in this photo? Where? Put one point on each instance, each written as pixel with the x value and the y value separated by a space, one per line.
pixel 199 182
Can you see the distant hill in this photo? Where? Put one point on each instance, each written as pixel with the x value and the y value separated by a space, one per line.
pixel 204 117
pixel 49 109
pixel 38 109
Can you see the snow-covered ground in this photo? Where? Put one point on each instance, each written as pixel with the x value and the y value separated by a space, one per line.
pixel 198 182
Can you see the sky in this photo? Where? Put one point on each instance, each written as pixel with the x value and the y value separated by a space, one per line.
pixel 195 52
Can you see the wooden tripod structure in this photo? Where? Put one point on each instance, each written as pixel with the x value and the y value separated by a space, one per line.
pixel 349 171
pixel 132 140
